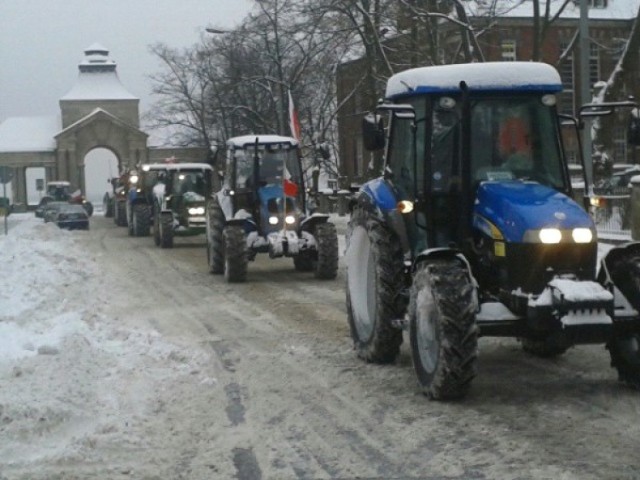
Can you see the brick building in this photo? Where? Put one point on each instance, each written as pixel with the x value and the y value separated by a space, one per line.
pixel 507 35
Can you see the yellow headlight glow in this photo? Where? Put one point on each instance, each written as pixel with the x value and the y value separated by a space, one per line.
pixel 405 206
pixel 582 235
pixel 550 235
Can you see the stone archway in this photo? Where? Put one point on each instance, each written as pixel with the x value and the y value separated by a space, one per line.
pixel 99 129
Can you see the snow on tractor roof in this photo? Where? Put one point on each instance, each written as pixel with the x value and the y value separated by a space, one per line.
pixel 488 76
pixel 59 183
pixel 248 140
pixel 176 166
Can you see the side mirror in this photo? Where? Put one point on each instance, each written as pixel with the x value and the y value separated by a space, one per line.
pixel 633 131
pixel 373 132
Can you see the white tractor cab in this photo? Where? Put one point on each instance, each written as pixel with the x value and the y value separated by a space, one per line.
pixel 261 208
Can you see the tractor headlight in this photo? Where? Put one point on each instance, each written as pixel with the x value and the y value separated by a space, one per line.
pixel 273 220
pixel 289 219
pixel 196 211
pixel 550 235
pixel 133 179
pixel 582 235
pixel 405 206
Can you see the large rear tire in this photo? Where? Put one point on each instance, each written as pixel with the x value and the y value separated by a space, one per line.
pixel 141 227
pixel 326 265
pixel 442 329
pixel 215 240
pixel 375 278
pixel 235 253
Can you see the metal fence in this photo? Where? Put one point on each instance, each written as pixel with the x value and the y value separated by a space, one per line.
pixel 613 215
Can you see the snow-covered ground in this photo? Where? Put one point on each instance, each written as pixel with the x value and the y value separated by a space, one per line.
pixel 78 373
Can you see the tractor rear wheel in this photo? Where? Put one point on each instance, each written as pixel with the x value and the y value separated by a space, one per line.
pixel 326 265
pixel 166 231
pixel 235 253
pixel 442 329
pixel 141 220
pixel 215 240
pixel 375 277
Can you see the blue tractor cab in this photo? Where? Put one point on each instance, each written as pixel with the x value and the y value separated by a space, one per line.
pixel 472 230
pixel 261 208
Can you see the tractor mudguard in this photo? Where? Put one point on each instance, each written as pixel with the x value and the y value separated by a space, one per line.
pixel 615 255
pixel 309 223
pixel 378 198
pixel 452 253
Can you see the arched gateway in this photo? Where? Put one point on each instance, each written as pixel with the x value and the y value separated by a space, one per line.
pixel 98 112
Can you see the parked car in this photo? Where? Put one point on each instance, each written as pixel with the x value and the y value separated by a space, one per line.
pixel 71 217
pixel 50 209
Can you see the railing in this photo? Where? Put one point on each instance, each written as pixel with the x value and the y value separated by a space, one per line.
pixel 613 215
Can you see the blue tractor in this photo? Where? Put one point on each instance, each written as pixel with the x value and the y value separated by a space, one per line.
pixel 472 230
pixel 261 208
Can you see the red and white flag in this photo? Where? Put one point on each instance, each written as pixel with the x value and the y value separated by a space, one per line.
pixel 294 123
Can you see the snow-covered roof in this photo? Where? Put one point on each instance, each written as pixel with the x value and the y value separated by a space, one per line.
pixel 522 76
pixel 176 166
pixel 29 134
pixel 98 79
pixel 614 10
pixel 247 140
pixel 94 113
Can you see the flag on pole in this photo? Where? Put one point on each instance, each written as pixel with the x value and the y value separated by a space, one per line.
pixel 289 187
pixel 294 123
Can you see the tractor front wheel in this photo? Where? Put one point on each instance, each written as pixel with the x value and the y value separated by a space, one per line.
pixel 442 329
pixel 624 348
pixel 375 278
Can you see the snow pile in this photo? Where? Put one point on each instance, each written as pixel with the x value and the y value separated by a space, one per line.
pixel 72 372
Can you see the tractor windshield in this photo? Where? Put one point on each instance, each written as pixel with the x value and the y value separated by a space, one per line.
pixel 515 138
pixel 274 166
pixel 190 183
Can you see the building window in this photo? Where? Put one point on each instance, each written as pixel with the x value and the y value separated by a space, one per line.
pixel 566 74
pixel 594 64
pixel 508 50
pixel 619 145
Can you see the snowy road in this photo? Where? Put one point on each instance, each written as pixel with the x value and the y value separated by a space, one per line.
pixel 166 372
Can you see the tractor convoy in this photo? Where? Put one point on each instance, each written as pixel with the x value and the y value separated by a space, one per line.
pixel 471 231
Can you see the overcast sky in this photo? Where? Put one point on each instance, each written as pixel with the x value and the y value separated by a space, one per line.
pixel 42 42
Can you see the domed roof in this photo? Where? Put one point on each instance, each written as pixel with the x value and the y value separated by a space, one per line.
pixel 98 79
